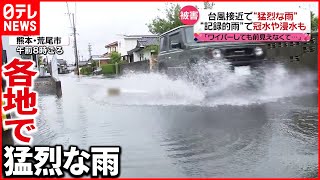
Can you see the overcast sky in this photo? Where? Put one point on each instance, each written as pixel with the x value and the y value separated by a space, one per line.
pixel 99 23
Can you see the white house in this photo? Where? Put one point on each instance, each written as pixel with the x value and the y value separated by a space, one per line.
pixel 127 43
pixel 114 46
pixel 141 52
pixel 105 58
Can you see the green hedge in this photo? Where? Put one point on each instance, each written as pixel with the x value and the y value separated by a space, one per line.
pixel 86 70
pixel 108 69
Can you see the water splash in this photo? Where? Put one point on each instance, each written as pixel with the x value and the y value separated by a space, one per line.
pixel 222 87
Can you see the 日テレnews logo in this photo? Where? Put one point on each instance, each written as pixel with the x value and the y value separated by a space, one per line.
pixel 21 17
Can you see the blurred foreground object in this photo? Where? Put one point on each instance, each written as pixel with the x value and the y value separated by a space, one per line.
pixel 113 91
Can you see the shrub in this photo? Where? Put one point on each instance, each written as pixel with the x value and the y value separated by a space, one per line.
pixel 93 64
pixel 115 57
pixel 86 70
pixel 108 69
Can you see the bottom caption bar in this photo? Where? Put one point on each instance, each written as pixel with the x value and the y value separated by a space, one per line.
pixel 53 161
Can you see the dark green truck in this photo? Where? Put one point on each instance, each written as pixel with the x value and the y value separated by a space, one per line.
pixel 179 51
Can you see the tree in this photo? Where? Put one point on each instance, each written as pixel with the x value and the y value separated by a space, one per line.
pixel 93 64
pixel 314 22
pixel 171 20
pixel 115 57
pixel 152 48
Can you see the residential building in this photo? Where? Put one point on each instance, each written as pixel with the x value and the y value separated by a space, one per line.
pixel 101 59
pixel 129 42
pixel 83 63
pixel 141 51
pixel 112 47
pixel 105 58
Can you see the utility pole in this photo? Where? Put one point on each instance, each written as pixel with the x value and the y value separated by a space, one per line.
pixel 75 46
pixel 90 50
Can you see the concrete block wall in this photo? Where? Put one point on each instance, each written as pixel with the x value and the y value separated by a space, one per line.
pixel 48 86
pixel 296 55
pixel 140 66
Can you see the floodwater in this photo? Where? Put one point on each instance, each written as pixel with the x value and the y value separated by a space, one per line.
pixel 172 128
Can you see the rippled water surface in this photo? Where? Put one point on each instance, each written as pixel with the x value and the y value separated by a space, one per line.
pixel 172 128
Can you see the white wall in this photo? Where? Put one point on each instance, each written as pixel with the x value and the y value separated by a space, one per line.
pixel 122 46
pixel 130 44
pixel 127 44
pixel 137 55
pixel 147 55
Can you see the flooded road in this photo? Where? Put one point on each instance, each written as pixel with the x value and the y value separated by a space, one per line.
pixel 171 128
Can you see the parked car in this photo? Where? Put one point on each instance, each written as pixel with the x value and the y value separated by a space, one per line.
pixel 179 51
pixel 62 66
pixel 97 71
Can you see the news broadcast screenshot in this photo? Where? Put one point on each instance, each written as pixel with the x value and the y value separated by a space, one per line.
pixel 157 89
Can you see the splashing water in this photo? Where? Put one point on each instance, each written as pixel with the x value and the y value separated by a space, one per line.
pixel 223 87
